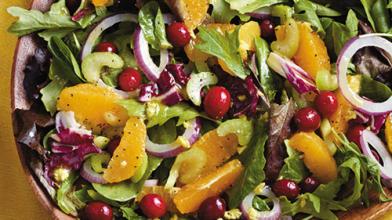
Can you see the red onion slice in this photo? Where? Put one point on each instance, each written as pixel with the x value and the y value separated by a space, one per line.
pixel 371 138
pixel 298 77
pixel 90 175
pixel 150 183
pixel 143 58
pixel 348 51
pixel 101 27
pixel 251 213
pixel 190 136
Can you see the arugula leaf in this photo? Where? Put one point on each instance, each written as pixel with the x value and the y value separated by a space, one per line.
pixel 253 160
pixel 246 6
pixel 373 89
pixel 133 107
pixel 65 198
pixel 64 59
pixel 222 13
pixel 242 127
pixel 159 114
pixel 266 76
pixel 306 11
pixel 294 167
pixel 31 21
pixel 337 34
pixel 224 47
pixel 151 21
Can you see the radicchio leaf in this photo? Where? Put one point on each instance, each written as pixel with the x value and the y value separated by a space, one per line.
pixel 279 130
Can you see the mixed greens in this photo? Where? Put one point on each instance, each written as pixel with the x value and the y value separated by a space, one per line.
pixel 198 109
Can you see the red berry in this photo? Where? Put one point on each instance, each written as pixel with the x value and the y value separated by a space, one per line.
pixel 286 187
pixel 178 34
pixel 212 208
pixel 267 29
pixel 310 184
pixel 129 80
pixel 113 144
pixel 98 211
pixel 307 119
pixel 106 47
pixel 326 103
pixel 217 102
pixel 354 134
pixel 153 206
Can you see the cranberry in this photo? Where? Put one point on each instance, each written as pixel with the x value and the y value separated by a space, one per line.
pixel 129 80
pixel 307 119
pixel 98 211
pixel 326 103
pixel 267 29
pixel 72 5
pixel 106 47
pixel 310 184
pixel 354 134
pixel 212 208
pixel 217 102
pixel 113 144
pixel 178 34
pixel 153 206
pixel 286 187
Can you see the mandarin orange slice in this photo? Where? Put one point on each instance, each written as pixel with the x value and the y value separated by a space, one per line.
pixel 127 157
pixel 192 12
pixel 95 107
pixel 189 198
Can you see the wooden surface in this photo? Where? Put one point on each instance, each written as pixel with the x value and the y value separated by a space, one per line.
pixel 17 200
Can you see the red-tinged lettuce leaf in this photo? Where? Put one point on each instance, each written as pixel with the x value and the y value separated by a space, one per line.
pixel 279 130
pixel 30 126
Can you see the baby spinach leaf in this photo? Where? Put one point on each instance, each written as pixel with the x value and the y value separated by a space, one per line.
pixel 374 90
pixel 253 160
pixel 121 192
pixel 224 46
pixel 31 21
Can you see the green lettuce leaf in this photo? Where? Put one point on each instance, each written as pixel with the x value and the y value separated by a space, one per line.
pixel 159 114
pixel 307 11
pixel 242 127
pixel 222 13
pixel 224 47
pixel 294 167
pixel 254 161
pixel 31 21
pixel 246 6
pixel 151 21
pixel 65 197
pixel 129 214
pixel 133 107
pixel 266 77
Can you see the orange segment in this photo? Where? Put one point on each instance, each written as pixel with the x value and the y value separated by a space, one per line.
pixel 246 35
pixel 345 112
pixel 211 150
pixel 312 53
pixel 95 107
pixel 192 12
pixel 100 3
pixel 388 131
pixel 317 156
pixel 189 198
pixel 127 157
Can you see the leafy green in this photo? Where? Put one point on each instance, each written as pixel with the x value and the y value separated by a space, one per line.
pixel 374 90
pixel 337 34
pixel 307 11
pixel 266 76
pixel 294 167
pixel 242 127
pixel 151 21
pixel 130 214
pixel 377 14
pixel 253 160
pixel 121 192
pixel 223 14
pixel 64 60
pixel 133 107
pixel 163 134
pixel 66 199
pixel 159 114
pixel 224 46
pixel 153 164
pixel 246 6
pixel 31 21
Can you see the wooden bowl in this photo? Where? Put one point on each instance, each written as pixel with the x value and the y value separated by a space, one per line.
pixel 25 48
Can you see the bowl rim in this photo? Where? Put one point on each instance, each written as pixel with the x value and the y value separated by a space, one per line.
pixel 24 48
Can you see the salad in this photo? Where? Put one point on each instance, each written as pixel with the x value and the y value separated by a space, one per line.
pixel 220 109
